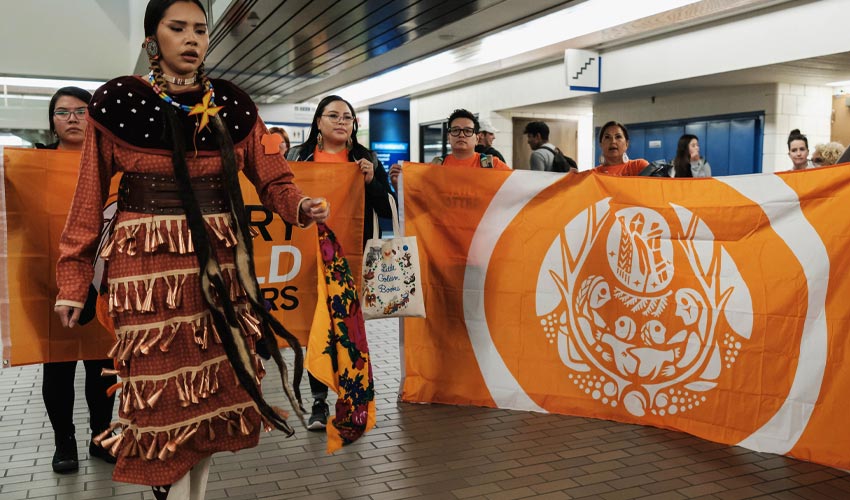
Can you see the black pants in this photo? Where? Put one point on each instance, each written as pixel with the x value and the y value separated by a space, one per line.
pixel 317 388
pixel 58 392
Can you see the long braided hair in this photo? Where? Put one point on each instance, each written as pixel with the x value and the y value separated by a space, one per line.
pixel 214 290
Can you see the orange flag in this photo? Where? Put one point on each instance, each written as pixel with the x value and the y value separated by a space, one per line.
pixel 34 199
pixel 718 307
pixel 284 257
pixel 31 223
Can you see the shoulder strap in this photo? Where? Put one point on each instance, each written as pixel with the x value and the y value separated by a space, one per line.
pixel 376 231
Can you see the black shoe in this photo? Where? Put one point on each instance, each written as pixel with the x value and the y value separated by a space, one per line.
pixel 161 492
pixel 65 458
pixel 96 451
pixel 319 416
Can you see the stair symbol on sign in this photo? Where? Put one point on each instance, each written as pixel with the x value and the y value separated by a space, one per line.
pixel 584 67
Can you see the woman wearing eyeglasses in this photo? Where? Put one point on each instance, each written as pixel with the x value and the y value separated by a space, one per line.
pixel 333 139
pixel 67 117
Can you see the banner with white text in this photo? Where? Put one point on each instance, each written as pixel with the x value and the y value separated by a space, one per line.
pixel 35 196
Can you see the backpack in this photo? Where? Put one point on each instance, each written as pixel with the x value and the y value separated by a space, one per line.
pixel 561 162
pixel 658 168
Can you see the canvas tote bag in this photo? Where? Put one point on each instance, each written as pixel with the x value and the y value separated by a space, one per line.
pixel 392 284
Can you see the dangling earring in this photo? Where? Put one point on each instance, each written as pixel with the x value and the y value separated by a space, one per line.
pixel 152 48
pixel 320 142
pixel 348 144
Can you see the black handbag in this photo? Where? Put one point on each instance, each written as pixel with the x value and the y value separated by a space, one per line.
pixel 658 168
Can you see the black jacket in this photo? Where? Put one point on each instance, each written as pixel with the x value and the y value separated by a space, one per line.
pixel 489 151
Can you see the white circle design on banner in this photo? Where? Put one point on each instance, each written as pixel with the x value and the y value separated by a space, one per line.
pixel 607 319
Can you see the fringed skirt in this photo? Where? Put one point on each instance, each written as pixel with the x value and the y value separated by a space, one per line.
pixel 179 398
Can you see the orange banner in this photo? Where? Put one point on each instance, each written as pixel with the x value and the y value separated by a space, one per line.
pixel 717 307
pixel 285 256
pixel 35 197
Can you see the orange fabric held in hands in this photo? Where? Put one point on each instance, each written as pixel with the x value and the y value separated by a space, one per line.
pixel 283 257
pixel 631 167
pixel 717 307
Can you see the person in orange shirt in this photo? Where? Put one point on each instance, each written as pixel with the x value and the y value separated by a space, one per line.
pixel 614 141
pixel 463 136
pixel 333 139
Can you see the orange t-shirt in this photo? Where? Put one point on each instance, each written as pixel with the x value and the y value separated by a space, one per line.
pixel 325 157
pixel 631 167
pixel 473 161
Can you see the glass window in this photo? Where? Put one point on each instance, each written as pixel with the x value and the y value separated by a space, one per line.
pixel 432 141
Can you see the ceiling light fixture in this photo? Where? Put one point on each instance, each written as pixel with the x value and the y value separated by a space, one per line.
pixel 48 83
pixel 585 18
pixel 26 97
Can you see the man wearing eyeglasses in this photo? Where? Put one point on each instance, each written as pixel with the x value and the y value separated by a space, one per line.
pixel 67 112
pixel 463 137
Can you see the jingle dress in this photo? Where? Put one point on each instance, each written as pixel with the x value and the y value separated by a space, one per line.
pixel 179 400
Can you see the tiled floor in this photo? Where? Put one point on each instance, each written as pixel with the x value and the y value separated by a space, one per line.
pixel 426 451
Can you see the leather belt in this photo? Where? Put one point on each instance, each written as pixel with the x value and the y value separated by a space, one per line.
pixel 159 194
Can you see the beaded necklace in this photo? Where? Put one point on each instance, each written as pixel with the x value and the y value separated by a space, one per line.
pixel 206 108
pixel 167 98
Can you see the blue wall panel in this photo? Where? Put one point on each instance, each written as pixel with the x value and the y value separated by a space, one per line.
pixel 671 140
pixel 717 146
pixel 698 129
pixel 742 145
pixel 654 144
pixel 637 144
